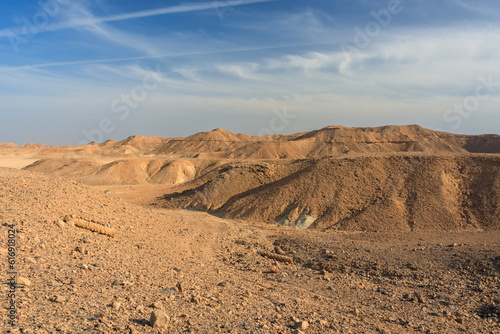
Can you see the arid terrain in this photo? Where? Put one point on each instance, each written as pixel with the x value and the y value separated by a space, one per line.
pixel 393 229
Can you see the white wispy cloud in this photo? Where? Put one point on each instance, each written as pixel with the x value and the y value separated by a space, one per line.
pixel 92 21
pixel 405 75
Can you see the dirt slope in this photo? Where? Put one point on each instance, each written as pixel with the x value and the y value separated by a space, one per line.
pixel 399 192
pixel 130 171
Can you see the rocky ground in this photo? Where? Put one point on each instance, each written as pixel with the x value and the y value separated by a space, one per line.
pixel 201 274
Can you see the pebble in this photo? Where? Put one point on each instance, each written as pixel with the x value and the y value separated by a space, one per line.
pixel 322 323
pixel 159 319
pixel 419 298
pixel 157 305
pixel 80 249
pixel 116 305
pixel 61 223
pixel 59 299
pixel 274 270
pixel 168 291
pixel 29 260
pixel 23 281
pixel 301 325
pixel 222 284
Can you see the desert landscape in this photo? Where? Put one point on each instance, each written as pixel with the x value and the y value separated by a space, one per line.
pixel 392 229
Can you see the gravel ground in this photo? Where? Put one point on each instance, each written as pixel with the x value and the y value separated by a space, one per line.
pixel 201 274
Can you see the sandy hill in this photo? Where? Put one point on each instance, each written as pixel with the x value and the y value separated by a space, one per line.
pixel 8 146
pixel 332 140
pixel 371 179
pixel 139 142
pixel 129 171
pixel 329 141
pixel 399 192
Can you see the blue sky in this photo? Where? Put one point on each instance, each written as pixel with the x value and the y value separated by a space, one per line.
pixel 75 71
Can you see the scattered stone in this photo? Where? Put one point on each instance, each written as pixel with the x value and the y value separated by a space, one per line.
pixel 301 325
pixel 407 296
pixel 179 287
pixel 157 305
pixel 419 298
pixel 453 245
pixel 222 284
pixel 29 260
pixel 159 319
pixel 59 299
pixel 195 299
pixel 80 249
pixel 23 281
pixel 61 223
pixel 85 240
pixel 168 291
pixel 322 323
pixel 116 305
pixel 274 270
pixel 356 312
